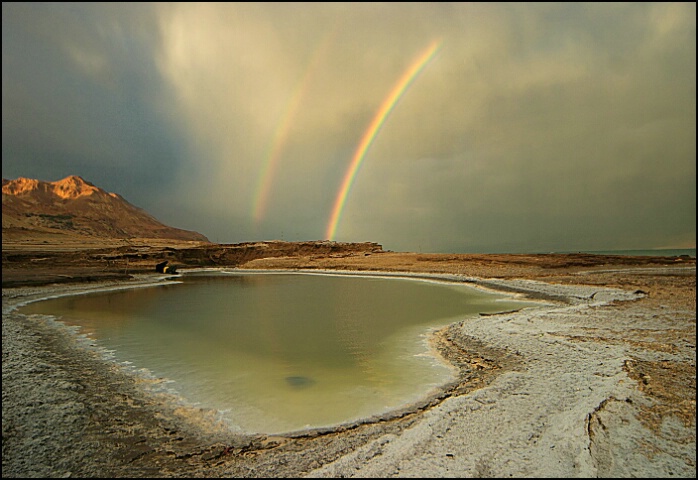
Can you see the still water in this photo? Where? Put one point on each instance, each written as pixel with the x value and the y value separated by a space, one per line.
pixel 281 352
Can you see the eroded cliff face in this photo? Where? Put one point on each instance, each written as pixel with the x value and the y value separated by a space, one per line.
pixel 241 253
pixel 68 188
pixel 42 266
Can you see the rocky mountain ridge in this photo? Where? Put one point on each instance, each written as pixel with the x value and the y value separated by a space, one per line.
pixel 73 207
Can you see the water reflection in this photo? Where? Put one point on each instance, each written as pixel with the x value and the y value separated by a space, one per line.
pixel 281 352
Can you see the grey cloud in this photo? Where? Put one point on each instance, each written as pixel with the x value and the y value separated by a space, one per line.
pixel 81 96
pixel 535 127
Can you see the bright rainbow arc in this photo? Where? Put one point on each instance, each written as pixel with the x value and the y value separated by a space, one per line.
pixel 378 120
pixel 267 173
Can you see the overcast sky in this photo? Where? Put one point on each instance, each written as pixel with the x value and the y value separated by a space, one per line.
pixel 529 127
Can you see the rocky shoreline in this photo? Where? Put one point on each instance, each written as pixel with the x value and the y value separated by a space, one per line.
pixel 599 383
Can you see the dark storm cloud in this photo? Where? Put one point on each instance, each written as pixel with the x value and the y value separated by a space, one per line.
pixel 82 95
pixel 535 127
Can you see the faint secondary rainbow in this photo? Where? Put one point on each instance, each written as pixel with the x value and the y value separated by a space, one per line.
pixel 268 170
pixel 381 115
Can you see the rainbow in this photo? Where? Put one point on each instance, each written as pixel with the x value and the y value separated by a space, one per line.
pixel 268 170
pixel 381 115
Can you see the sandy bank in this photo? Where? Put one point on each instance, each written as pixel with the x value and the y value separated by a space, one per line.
pixel 600 383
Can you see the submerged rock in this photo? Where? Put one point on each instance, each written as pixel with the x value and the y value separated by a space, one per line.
pixel 300 381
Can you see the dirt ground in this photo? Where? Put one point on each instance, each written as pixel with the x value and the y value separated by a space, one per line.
pixel 600 382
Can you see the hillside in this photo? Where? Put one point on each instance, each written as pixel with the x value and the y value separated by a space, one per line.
pixel 72 208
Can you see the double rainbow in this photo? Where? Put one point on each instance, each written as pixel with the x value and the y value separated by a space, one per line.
pixel 270 164
pixel 379 118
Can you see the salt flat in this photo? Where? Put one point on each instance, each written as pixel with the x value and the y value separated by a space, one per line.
pixel 599 382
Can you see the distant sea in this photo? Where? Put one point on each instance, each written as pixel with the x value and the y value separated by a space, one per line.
pixel 660 252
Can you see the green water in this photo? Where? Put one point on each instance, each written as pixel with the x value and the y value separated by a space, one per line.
pixel 281 352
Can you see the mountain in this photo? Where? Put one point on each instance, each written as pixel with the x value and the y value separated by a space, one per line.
pixel 73 207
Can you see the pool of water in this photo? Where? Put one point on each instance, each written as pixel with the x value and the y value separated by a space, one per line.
pixel 281 352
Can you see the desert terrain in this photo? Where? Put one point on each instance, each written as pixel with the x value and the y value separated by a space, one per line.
pixel 597 382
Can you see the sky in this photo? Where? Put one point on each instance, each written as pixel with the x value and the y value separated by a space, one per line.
pixel 425 127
